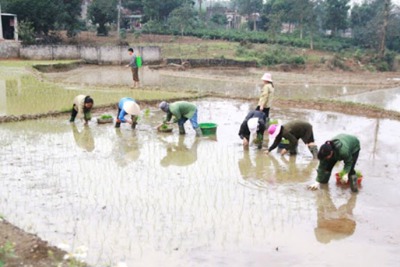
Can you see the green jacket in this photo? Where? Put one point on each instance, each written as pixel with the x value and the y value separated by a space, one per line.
pixel 266 96
pixel 292 131
pixel 344 146
pixel 181 109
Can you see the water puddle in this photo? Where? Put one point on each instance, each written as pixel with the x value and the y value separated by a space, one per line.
pixel 387 99
pixel 152 199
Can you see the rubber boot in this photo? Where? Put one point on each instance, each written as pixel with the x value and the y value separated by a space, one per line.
pixel 353 183
pixel 314 151
pixel 198 132
pixel 117 123
pixel 182 129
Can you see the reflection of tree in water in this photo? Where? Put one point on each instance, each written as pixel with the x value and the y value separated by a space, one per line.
pixel 334 223
pixel 273 169
pixel 84 138
pixel 180 154
pixel 126 148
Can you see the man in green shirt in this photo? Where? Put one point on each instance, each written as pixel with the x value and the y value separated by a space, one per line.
pixel 343 147
pixel 182 111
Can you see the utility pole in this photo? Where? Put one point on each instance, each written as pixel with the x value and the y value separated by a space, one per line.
pixel 1 26
pixel 119 19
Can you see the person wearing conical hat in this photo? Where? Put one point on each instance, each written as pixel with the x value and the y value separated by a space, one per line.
pixel 127 106
pixel 267 94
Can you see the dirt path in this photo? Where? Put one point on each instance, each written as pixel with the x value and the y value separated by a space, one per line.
pixel 18 248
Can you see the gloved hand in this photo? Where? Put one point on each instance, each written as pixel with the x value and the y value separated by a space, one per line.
pixel 345 179
pixel 314 186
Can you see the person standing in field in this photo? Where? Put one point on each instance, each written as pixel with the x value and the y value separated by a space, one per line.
pixel 134 67
pixel 266 98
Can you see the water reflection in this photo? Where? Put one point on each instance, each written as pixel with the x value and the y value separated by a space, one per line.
pixel 83 138
pixel 180 154
pixel 126 148
pixel 387 99
pixel 334 223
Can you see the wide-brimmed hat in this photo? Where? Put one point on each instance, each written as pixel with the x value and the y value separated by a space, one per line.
pixel 131 107
pixel 274 130
pixel 267 77
pixel 164 106
pixel 252 124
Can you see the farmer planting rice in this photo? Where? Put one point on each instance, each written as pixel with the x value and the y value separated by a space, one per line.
pixel 182 111
pixel 127 106
pixel 81 108
pixel 342 147
pixel 253 124
pixel 293 131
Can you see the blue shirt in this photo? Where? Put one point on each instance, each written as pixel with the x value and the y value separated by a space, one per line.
pixel 123 113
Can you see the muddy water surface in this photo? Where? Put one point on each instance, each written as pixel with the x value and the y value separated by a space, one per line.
pixel 152 199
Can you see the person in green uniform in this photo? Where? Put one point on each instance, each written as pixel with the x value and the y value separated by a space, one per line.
pixel 343 147
pixel 293 131
pixel 182 111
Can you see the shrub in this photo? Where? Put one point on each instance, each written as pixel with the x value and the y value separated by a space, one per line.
pixel 26 32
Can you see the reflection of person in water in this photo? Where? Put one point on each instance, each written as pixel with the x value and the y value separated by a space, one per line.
pixel 249 170
pixel 334 223
pixel 275 170
pixel 83 138
pixel 126 148
pixel 180 154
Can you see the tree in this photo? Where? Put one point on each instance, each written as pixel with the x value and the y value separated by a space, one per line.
pixel 182 18
pixel 249 7
pixel 301 12
pixel 102 12
pixel 70 16
pixel 43 14
pixel 336 15
pixel 386 10
pixel 47 15
pixel 373 23
pixel 160 10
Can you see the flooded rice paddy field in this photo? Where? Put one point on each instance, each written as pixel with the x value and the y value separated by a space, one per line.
pixel 152 199
pixel 246 83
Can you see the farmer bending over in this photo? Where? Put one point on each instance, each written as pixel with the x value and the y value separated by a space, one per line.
pixel 182 111
pixel 342 147
pixel 127 106
pixel 253 124
pixel 293 131
pixel 81 108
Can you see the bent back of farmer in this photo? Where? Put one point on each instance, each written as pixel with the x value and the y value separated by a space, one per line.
pixel 81 108
pixel 343 147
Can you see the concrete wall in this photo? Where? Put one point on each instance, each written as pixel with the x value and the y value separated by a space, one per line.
pixel 9 49
pixel 90 54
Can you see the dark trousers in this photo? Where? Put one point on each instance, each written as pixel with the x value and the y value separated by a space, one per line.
pixel 73 113
pixel 117 121
pixel 265 110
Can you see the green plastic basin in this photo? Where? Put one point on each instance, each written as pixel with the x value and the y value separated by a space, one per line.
pixel 208 128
